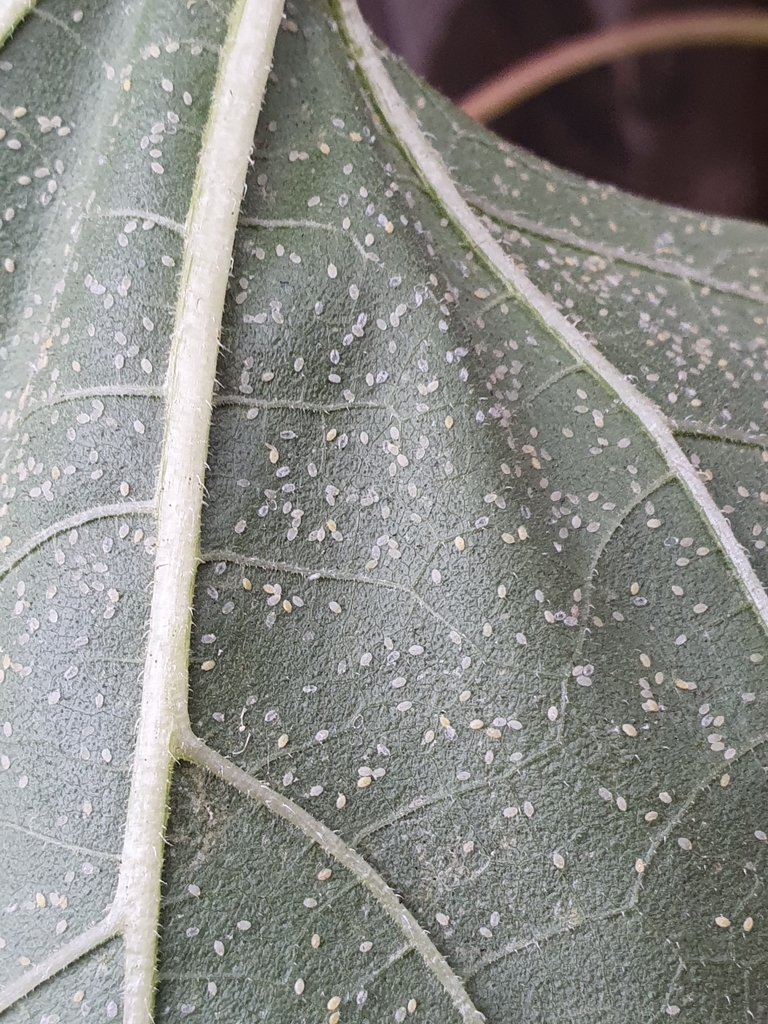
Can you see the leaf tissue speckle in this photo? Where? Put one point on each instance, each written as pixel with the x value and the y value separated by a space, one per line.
pixel 383 523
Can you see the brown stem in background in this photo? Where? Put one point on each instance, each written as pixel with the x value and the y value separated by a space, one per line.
pixel 564 60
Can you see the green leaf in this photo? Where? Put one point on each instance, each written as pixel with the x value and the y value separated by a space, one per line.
pixel 404 656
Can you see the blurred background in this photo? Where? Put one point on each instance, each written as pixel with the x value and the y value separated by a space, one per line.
pixel 688 127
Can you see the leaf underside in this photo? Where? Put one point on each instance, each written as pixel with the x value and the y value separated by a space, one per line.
pixel 452 601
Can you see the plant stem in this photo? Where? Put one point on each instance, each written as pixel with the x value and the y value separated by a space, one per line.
pixel 564 60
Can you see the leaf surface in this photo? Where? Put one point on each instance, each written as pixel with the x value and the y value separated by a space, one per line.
pixel 477 707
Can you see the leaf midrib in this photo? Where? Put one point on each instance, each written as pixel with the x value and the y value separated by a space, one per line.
pixel 209 240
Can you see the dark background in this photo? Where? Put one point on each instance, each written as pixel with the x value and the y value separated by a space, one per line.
pixel 688 127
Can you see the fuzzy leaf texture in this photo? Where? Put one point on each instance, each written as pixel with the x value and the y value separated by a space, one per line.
pixel 461 556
